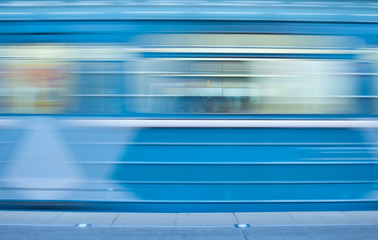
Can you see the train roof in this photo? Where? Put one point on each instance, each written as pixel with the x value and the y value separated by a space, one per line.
pixel 243 10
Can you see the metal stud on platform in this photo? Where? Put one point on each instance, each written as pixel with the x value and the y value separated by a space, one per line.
pixel 242 225
pixel 83 225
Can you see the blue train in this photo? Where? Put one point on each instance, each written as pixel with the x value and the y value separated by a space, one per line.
pixel 189 106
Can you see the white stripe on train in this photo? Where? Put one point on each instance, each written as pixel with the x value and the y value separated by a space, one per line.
pixel 196 123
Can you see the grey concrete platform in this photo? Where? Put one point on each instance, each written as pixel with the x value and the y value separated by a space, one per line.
pixel 291 232
pixel 16 225
pixel 187 219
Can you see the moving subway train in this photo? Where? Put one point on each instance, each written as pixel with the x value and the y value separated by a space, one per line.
pixel 193 106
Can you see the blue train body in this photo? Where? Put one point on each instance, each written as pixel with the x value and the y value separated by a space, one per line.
pixel 189 107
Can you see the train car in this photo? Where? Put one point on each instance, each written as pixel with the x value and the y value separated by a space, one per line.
pixel 189 106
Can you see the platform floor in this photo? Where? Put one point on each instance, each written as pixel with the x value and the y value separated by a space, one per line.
pixel 361 225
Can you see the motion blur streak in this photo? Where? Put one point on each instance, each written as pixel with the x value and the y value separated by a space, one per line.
pixel 189 106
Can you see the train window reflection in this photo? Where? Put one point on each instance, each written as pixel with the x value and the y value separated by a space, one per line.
pixel 99 85
pixel 258 86
pixel 57 78
pixel 35 79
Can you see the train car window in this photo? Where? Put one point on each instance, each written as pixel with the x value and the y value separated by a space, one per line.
pixel 99 78
pixel 35 79
pixel 99 87
pixel 251 74
pixel 59 79
pixel 265 86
